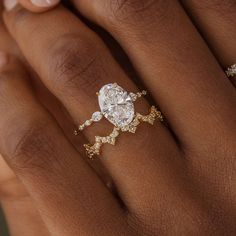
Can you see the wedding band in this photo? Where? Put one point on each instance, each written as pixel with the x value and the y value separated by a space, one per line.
pixel 117 106
pixel 231 71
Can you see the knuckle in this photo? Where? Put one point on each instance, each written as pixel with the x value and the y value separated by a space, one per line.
pixel 74 65
pixel 29 146
pixel 137 10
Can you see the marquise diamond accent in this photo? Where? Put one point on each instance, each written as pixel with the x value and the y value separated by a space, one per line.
pixel 97 116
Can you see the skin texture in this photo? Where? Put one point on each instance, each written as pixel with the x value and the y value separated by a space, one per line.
pixel 215 20
pixel 181 181
pixel 23 218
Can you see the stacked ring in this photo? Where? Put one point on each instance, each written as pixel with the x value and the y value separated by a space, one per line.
pixel 117 106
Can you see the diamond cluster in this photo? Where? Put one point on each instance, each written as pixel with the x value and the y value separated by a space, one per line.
pixel 93 150
pixel 231 71
pixel 117 106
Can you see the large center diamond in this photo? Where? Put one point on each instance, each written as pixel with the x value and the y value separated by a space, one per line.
pixel 116 105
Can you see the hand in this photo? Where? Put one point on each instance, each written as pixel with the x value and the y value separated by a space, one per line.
pixel 182 184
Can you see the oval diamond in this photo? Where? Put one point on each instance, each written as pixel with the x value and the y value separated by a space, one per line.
pixel 116 105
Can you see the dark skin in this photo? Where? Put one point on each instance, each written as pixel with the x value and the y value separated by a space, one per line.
pixel 178 179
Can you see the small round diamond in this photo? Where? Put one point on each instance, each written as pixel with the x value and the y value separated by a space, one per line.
pixel 97 116
pixel 82 126
pixel 87 122
pixel 133 96
pixel 76 132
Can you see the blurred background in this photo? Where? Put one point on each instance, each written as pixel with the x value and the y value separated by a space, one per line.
pixel 3 228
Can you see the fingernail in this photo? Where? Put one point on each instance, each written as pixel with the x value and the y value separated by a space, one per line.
pixel 45 3
pixel 9 4
pixel 3 59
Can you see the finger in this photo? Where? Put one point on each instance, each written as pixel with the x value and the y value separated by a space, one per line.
pixel 10 186
pixel 18 207
pixel 216 21
pixel 32 5
pixel 48 165
pixel 23 218
pixel 6 173
pixel 21 214
pixel 6 42
pixel 179 70
pixel 77 65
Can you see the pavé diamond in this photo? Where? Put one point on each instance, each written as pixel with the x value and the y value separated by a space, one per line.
pixel 231 71
pixel 116 105
pixel 133 96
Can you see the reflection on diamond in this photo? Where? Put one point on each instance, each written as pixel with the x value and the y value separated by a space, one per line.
pixel 116 105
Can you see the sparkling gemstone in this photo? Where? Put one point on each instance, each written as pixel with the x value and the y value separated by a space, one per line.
pixel 87 122
pixel 133 96
pixel 97 116
pixel 116 105
pixel 233 69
